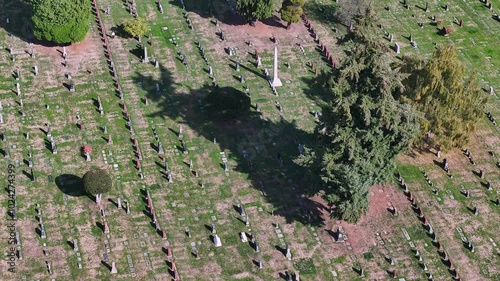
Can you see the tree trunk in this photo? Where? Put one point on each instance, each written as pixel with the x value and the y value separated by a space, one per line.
pixel 288 26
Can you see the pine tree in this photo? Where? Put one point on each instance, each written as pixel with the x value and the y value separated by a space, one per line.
pixel 451 101
pixel 363 127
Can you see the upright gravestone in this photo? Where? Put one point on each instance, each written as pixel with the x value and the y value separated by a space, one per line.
pixel 145 59
pixel 217 241
pixel 113 268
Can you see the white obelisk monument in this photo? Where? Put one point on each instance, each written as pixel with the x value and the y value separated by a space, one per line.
pixel 276 81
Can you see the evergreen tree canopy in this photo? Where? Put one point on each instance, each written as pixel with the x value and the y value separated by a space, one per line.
pixel 363 127
pixel 97 182
pixel 253 10
pixel 452 103
pixel 60 21
pixel 291 11
pixel 136 27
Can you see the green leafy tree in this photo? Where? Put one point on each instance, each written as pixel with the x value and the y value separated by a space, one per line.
pixel 136 27
pixel 291 10
pixel 253 10
pixel 451 101
pixel 96 182
pixel 60 21
pixel 363 126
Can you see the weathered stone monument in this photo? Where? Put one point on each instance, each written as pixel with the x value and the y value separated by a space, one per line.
pixel 276 80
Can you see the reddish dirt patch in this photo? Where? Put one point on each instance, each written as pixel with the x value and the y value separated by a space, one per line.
pixel 362 234
pixel 81 48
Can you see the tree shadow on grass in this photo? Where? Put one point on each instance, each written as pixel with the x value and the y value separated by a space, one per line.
pixel 219 10
pixel 71 185
pixel 224 13
pixel 18 13
pixel 323 13
pixel 253 142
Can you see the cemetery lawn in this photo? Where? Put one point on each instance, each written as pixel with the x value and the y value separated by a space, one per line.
pixel 235 163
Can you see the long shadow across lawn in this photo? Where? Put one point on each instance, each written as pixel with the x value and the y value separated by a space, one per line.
pixel 265 143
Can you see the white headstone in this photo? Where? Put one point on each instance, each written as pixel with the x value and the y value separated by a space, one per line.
pixel 217 241
pixel 243 236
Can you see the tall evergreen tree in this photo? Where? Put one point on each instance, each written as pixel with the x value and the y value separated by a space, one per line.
pixel 451 101
pixel 363 126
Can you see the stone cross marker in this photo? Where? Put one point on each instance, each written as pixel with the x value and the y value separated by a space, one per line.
pixel 276 80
